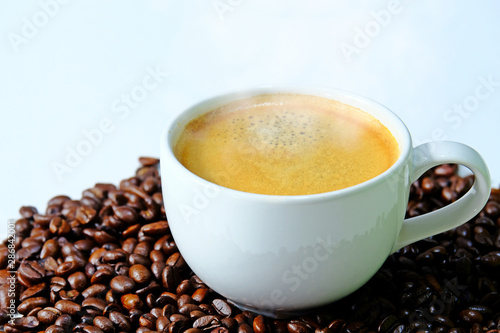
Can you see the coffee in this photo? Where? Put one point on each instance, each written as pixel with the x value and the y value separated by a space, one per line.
pixel 286 144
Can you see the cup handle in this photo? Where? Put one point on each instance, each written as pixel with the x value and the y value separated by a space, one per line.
pixel 429 155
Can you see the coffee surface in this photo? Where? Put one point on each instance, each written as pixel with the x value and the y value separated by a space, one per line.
pixel 286 144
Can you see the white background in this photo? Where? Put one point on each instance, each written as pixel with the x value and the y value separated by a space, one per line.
pixel 66 68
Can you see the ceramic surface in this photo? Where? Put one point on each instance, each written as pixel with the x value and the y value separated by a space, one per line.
pixel 279 254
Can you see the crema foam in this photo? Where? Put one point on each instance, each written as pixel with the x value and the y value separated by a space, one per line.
pixel 286 144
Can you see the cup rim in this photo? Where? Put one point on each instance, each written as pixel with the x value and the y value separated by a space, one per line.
pixel 404 138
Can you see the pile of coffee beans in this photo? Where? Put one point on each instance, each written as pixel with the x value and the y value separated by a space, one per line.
pixel 108 263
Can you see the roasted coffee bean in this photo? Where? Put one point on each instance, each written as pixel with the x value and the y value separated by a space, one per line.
pixel 155 228
pixel 177 261
pixel 147 320
pixel 149 185
pixel 240 318
pixel 10 328
pixel 112 257
pixel 156 311
pixel 31 271
pixel 132 231
pixel 323 330
pixel 103 237
pixel 85 245
pixel 40 233
pixel 193 330
pixel 49 264
pixel 57 283
pixel 388 324
pixel 96 290
pixel 49 249
pixel 34 291
pixel 483 309
pixel 143 248
pixel 148 161
pixel 22 227
pixel 68 307
pixel 31 242
pixel 55 329
pixel 115 247
pixel 122 284
pixel 59 226
pixel 168 310
pixel 309 321
pixel 200 294
pixel 151 301
pixel 142 330
pixel 170 278
pixel 196 314
pixel 70 295
pixel 178 317
pixel 91 329
pixel 185 287
pixel 67 248
pixel 162 324
pixel 131 301
pixel 178 326
pixel 5 276
pixel 260 325
pixel 443 320
pixel 34 312
pixel 87 319
pixel 78 258
pixel 446 170
pixel 208 309
pixel 48 315
pixel 295 326
pixel 207 322
pixel 245 328
pixel 30 303
pixel 67 268
pixel 122 268
pixel 425 258
pixel 183 300
pixel 129 245
pixel 120 321
pixel 28 211
pixel 337 325
pixel 139 273
pixel 152 287
pixel 222 307
pixel 188 308
pixel 134 315
pixel 85 214
pixel 94 305
pixel 156 255
pixel 139 259
pixel 64 321
pixel 27 323
pixel 491 259
pixel 492 209
pixel 42 220
pixel 167 298
pixel 125 214
pixel 471 316
pixel 230 323
pixel 78 281
pixel 104 324
pixel 220 329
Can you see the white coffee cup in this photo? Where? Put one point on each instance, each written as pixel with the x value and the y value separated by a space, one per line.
pixel 282 254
